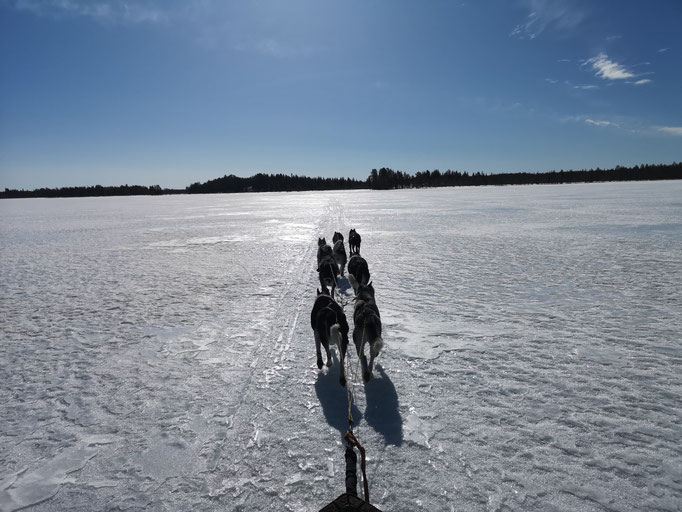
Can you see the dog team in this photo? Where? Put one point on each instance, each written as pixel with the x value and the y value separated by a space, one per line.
pixel 328 319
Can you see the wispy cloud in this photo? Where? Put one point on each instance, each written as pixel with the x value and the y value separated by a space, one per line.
pixel 583 87
pixel 593 122
pixel 625 124
pixel 551 81
pixel 557 15
pixel 642 81
pixel 670 130
pixel 663 50
pixel 104 11
pixel 608 69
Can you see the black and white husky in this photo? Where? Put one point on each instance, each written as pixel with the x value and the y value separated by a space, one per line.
pixel 339 251
pixel 354 240
pixel 328 272
pixel 358 272
pixel 367 328
pixel 329 327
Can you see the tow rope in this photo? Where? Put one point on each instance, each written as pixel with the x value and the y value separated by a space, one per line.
pixel 352 441
pixel 349 435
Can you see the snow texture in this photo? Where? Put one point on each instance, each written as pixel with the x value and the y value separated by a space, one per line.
pixel 156 352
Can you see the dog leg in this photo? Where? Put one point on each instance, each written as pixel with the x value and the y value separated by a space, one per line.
pixel 317 349
pixel 365 371
pixel 329 355
pixel 374 349
pixel 360 347
pixel 342 356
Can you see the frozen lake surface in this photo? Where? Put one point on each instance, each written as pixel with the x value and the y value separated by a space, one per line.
pixel 156 352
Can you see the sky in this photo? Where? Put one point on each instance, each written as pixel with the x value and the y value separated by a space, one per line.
pixel 172 92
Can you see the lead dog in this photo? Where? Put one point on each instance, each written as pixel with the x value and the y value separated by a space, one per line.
pixel 354 240
pixel 339 251
pixel 358 272
pixel 367 328
pixel 329 327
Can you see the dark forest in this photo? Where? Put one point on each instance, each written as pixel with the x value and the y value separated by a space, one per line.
pixel 381 179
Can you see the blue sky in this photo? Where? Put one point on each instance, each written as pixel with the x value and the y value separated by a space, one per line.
pixel 171 92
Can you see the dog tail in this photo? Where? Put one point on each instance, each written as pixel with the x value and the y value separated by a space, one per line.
pixel 335 335
pixel 376 346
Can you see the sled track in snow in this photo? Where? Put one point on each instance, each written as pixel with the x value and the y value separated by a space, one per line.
pixel 278 388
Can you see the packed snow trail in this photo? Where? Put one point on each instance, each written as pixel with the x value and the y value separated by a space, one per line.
pixel 156 352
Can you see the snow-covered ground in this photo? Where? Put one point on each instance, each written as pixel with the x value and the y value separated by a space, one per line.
pixel 156 352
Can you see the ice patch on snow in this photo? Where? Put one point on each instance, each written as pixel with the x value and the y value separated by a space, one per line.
pixel 26 488
pixel 427 338
pixel 418 429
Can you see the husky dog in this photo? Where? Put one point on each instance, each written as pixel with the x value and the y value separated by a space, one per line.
pixel 328 272
pixel 329 327
pixel 367 328
pixel 354 241
pixel 323 249
pixel 358 272
pixel 339 251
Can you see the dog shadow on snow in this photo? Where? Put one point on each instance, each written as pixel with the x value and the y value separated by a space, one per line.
pixel 381 412
pixel 333 398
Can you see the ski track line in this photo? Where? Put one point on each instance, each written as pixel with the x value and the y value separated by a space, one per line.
pixel 257 354
pixel 263 342
pixel 281 319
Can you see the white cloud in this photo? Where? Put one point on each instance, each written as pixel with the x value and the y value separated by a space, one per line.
pixel 670 130
pixel 557 15
pixel 551 81
pixel 104 11
pixel 624 124
pixel 663 50
pixel 586 87
pixel 608 69
pixel 592 122
pixel 642 81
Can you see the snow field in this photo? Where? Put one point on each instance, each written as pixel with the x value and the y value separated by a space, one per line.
pixel 156 353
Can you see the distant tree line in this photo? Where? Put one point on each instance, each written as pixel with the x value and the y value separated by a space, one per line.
pixel 95 191
pixel 386 178
pixel 273 183
pixel 382 179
